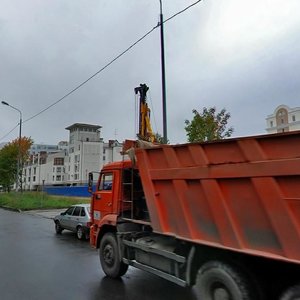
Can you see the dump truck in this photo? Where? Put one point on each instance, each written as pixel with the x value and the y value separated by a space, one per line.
pixel 223 216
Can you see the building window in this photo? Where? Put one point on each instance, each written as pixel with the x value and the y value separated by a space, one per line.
pixel 34 171
pixel 33 178
pixel 58 178
pixel 271 123
pixel 58 161
pixel 282 116
pixel 294 118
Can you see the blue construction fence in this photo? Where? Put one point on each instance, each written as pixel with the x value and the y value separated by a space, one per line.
pixel 69 191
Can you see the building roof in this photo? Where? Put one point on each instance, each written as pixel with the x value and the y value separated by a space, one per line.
pixel 83 125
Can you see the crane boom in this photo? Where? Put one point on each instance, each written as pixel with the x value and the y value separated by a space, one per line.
pixel 145 130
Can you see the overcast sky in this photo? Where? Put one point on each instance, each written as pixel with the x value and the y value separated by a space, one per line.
pixel 235 54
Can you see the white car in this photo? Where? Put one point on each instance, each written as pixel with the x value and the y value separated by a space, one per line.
pixel 77 219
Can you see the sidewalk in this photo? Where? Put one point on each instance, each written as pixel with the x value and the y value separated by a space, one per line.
pixel 47 213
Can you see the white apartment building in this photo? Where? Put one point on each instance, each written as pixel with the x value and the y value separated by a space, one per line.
pixel 84 152
pixel 70 164
pixel 283 119
pixel 37 148
pixel 45 169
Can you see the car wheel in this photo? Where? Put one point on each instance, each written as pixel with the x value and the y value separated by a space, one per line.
pixel 58 228
pixel 80 233
pixel 111 262
pixel 218 280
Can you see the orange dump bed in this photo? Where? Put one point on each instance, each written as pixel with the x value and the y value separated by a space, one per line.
pixel 241 194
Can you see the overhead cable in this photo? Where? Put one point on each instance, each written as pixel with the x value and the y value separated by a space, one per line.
pixel 92 76
pixel 4 136
pixel 109 63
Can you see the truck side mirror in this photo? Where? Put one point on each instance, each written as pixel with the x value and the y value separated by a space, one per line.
pixel 90 183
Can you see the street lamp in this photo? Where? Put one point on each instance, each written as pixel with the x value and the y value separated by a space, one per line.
pixel 19 154
pixel 163 74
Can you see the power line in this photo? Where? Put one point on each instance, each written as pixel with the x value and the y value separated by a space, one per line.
pixel 108 64
pixel 180 12
pixel 92 76
pixel 103 68
pixel 3 137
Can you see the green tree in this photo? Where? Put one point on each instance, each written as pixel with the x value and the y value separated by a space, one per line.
pixel 8 166
pixel 9 157
pixel 160 139
pixel 208 125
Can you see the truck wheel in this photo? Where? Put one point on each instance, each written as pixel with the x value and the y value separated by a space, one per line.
pixel 293 293
pixel 111 262
pixel 220 281
pixel 58 228
pixel 80 233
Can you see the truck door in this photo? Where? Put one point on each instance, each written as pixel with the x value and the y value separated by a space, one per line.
pixel 103 197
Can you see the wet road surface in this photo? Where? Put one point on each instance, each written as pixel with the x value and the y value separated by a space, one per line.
pixel 37 264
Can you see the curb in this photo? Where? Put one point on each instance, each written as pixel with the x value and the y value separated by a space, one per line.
pixel 10 208
pixel 46 214
pixel 37 213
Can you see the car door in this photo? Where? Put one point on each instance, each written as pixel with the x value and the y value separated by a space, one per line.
pixel 66 219
pixel 75 218
pixel 84 216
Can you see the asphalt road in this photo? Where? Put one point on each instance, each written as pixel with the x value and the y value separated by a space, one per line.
pixel 37 264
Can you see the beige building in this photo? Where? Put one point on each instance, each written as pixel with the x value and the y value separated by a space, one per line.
pixel 283 119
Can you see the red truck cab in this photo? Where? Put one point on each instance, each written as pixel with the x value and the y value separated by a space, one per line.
pixel 118 183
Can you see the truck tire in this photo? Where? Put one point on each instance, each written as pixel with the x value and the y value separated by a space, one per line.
pixel 219 281
pixel 111 262
pixel 293 293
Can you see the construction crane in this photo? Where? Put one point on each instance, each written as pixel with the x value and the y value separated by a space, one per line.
pixel 145 130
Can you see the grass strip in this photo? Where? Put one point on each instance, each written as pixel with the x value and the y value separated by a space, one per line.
pixel 37 200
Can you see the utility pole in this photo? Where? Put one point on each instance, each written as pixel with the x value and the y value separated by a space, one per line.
pixel 163 75
pixel 19 167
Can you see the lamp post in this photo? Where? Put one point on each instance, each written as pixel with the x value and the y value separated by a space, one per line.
pixel 19 154
pixel 163 74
